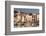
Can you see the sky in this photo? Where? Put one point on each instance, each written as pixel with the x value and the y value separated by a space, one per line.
pixel 27 10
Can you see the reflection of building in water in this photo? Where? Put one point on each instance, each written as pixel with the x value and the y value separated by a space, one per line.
pixel 26 19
